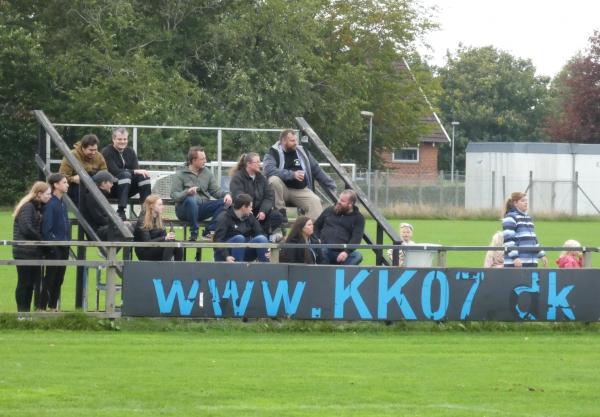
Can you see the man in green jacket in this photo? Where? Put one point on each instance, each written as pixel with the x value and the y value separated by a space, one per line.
pixel 197 194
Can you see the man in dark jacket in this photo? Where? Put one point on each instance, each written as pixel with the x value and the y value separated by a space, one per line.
pixel 123 163
pixel 238 225
pixel 249 180
pixel 292 173
pixel 342 224
pixel 94 214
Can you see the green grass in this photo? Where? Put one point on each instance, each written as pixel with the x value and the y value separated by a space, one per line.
pixel 50 373
pixel 446 232
pixel 294 368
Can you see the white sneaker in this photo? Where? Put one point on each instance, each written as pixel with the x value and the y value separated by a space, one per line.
pixel 276 237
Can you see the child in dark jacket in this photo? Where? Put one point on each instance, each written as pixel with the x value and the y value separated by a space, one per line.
pixel 55 226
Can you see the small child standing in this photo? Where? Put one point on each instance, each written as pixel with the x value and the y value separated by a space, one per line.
pixel 406 234
pixel 570 258
pixel 495 258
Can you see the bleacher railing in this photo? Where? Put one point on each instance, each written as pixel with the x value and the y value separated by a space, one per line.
pixel 112 264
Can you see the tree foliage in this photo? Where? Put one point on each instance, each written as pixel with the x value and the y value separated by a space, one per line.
pixel 493 95
pixel 211 62
pixel 576 94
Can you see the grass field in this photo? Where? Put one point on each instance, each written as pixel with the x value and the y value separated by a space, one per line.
pixel 445 232
pixel 293 368
pixel 248 373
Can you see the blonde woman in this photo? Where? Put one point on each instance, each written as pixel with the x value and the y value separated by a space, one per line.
pixel 150 228
pixel 28 226
pixel 495 258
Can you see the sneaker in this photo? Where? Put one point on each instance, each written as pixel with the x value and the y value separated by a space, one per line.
pixel 121 214
pixel 208 237
pixel 276 237
pixel 193 237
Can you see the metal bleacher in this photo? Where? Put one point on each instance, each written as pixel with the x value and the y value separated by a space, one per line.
pixel 161 173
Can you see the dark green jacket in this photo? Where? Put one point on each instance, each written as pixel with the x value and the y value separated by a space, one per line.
pixel 185 179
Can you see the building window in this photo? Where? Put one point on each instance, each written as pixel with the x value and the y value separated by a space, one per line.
pixel 406 155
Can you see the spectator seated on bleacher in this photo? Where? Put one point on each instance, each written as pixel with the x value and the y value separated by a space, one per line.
pixel 93 213
pixel 292 172
pixel 86 152
pixel 149 228
pixel 341 224
pixel 123 163
pixel 196 193
pixel 237 224
pixel 247 179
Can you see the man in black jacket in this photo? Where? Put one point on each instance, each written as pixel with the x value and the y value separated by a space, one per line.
pixel 248 179
pixel 342 224
pixel 123 163
pixel 94 214
pixel 238 225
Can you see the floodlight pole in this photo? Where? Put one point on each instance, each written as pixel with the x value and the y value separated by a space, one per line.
pixel 454 124
pixel 369 114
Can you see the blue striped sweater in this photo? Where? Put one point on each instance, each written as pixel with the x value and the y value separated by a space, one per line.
pixel 519 231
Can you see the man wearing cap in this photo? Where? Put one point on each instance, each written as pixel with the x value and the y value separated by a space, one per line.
pixel 123 163
pixel 93 213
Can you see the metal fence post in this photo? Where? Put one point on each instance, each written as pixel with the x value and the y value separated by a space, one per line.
pixel 530 190
pixel 219 155
pixel 441 258
pixel 587 258
pixel 42 143
pixel 493 189
pixel 376 188
pixel 575 187
pixel 135 140
pixel 387 188
pixel 111 274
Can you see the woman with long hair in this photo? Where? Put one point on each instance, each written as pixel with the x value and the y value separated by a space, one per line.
pixel 519 233
pixel 150 228
pixel 55 226
pixel 28 226
pixel 301 232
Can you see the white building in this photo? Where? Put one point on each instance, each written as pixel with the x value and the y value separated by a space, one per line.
pixel 559 177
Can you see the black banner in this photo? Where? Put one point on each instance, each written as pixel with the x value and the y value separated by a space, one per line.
pixel 179 289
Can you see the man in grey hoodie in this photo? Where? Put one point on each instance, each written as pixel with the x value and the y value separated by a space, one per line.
pixel 292 173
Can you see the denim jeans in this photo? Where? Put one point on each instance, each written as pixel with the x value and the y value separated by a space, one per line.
pixel 191 211
pixel 354 258
pixel 246 254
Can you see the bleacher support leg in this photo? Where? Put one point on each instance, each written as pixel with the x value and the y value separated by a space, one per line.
pixel 79 284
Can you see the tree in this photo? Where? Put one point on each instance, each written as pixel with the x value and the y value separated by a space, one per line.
pixel 576 92
pixel 23 86
pixel 212 62
pixel 366 43
pixel 494 96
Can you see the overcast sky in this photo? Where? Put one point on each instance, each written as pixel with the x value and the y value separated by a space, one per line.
pixel 549 32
